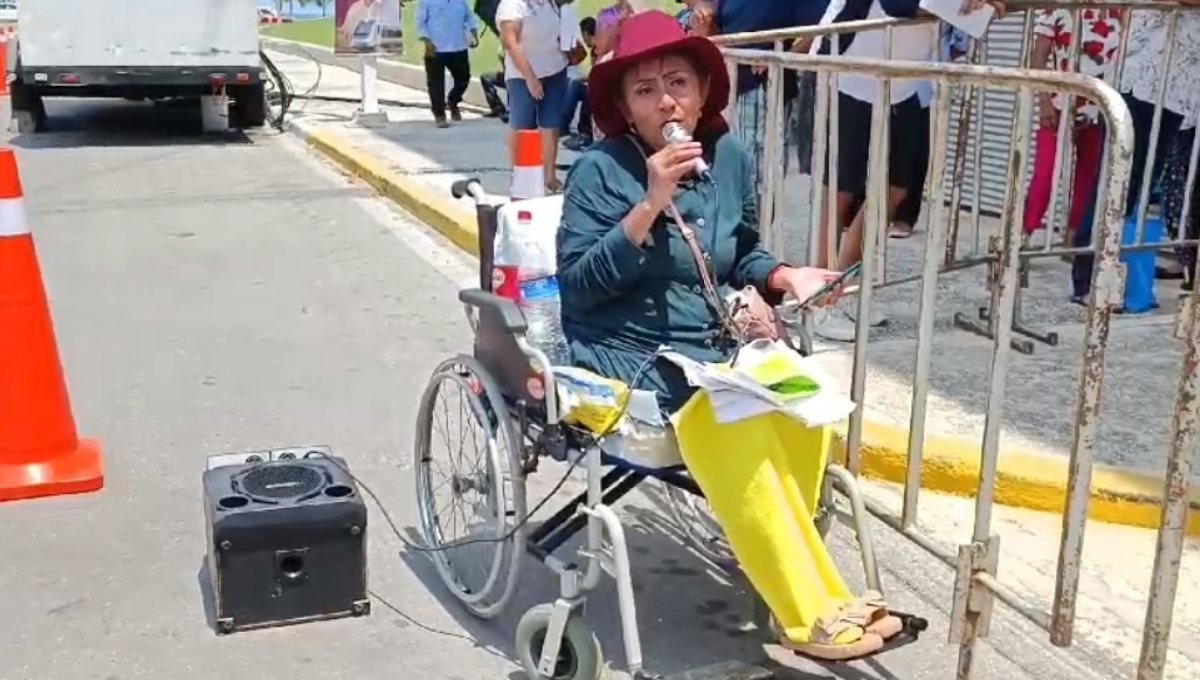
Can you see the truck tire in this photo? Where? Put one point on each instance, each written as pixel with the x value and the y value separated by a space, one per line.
pixel 249 109
pixel 29 109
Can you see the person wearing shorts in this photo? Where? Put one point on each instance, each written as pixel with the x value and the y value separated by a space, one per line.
pixel 535 72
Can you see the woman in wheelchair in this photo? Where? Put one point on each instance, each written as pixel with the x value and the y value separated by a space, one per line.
pixel 631 281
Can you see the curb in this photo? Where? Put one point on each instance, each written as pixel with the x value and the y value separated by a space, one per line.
pixel 950 465
pixel 1024 479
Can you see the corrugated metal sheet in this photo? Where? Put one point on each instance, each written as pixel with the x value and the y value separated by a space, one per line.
pixel 1004 46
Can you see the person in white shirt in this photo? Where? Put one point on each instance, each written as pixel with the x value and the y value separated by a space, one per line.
pixel 1145 60
pixel 535 72
pixel 908 142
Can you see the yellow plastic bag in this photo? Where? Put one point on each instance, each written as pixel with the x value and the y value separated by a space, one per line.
pixel 589 400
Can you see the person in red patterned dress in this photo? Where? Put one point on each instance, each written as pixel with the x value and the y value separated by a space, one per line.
pixel 1053 36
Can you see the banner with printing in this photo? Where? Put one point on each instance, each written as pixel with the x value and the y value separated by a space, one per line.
pixel 368 27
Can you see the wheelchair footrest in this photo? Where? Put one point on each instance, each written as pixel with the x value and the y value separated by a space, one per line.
pixel 729 670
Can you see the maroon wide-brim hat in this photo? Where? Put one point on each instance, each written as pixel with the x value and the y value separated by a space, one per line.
pixel 647 35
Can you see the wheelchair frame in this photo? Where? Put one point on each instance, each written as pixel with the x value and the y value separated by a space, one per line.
pixel 501 381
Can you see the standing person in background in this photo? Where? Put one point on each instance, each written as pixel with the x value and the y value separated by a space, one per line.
pixel 1054 33
pixel 577 99
pixel 492 83
pixel 712 17
pixel 1175 187
pixel 908 138
pixel 535 72
pixel 608 22
pixel 955 45
pixel 684 16
pixel 1146 57
pixel 448 29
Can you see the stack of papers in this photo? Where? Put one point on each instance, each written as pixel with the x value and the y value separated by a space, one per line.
pixel 768 376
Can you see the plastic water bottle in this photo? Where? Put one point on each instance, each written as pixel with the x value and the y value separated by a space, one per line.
pixel 538 293
pixel 543 314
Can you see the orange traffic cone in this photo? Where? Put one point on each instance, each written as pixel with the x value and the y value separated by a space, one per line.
pixel 40 452
pixel 528 177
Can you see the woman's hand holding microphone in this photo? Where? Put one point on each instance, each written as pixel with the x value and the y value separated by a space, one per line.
pixel 666 167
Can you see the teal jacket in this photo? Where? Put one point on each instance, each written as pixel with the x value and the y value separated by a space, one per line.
pixel 621 302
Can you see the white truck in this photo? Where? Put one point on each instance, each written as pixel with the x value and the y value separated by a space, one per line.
pixel 139 50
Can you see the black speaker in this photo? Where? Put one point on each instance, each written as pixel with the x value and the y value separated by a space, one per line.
pixel 287 539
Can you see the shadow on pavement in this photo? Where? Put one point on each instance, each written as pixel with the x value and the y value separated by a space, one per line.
pixel 475 147
pixel 690 613
pixel 99 123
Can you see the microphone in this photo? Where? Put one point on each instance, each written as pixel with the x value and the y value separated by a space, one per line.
pixel 675 134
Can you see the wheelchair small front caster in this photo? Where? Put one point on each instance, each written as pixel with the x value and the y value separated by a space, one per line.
pixel 579 656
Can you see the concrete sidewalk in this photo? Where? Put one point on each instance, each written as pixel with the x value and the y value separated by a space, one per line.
pixel 414 163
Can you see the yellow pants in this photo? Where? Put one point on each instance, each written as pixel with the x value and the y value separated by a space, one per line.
pixel 763 478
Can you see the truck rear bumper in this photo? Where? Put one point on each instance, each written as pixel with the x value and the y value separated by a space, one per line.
pixel 133 81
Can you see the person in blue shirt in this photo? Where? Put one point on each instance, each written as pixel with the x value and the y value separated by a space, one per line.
pixel 684 16
pixel 448 29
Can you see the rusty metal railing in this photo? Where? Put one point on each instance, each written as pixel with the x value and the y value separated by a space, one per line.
pixel 959 93
pixel 965 165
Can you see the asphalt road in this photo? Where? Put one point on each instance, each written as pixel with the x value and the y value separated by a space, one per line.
pixel 230 295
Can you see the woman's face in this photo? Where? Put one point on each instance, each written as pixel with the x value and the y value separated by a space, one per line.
pixel 663 90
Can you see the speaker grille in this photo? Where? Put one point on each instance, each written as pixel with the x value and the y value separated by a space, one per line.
pixel 281 482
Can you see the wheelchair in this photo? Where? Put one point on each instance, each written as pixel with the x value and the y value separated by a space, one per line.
pixel 509 393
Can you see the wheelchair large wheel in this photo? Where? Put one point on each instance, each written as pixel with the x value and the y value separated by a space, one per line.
pixel 470 486
pixel 695 520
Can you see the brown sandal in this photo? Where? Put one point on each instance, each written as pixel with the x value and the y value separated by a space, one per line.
pixel 873 608
pixel 867 612
pixel 824 645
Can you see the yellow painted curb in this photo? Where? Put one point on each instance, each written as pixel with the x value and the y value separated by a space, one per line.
pixel 950 465
pixel 1024 479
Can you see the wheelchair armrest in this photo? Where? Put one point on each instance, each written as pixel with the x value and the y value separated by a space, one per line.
pixel 506 310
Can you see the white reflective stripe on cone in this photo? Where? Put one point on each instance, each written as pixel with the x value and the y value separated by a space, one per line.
pixel 12 218
pixel 527 183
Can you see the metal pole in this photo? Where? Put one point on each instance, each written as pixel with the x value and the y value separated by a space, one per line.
pixel 369 114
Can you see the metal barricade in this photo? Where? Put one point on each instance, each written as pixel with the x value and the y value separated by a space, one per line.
pixel 960 96
pixel 974 244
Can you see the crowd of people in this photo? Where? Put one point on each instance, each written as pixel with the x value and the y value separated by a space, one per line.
pixel 545 49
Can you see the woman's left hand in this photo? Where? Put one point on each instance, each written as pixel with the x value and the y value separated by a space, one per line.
pixel 804 282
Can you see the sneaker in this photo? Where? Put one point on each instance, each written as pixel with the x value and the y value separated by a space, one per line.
pixel 577 143
pixel 442 122
pixel 831 323
pixel 455 114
